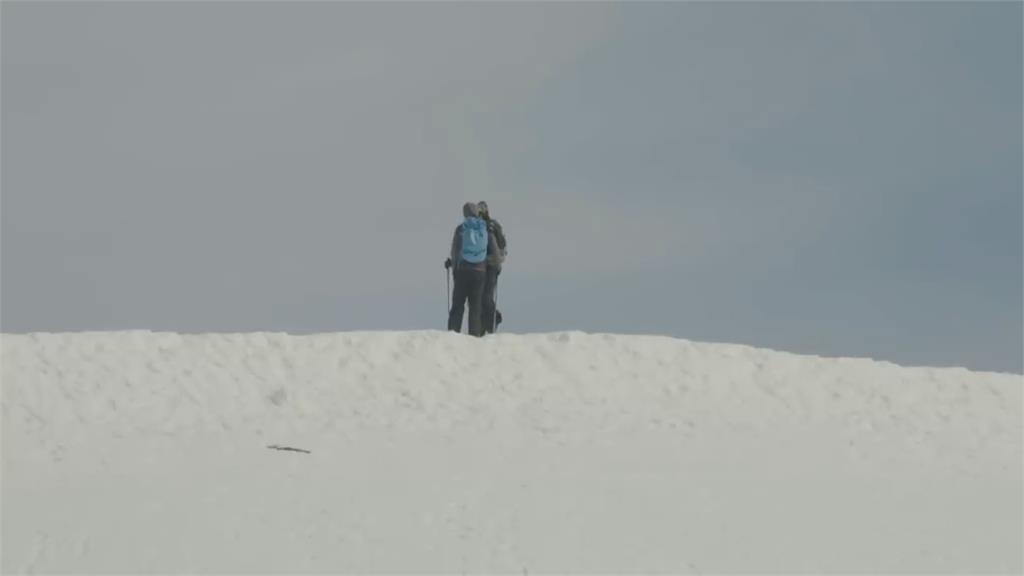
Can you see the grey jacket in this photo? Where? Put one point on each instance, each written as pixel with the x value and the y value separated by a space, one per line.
pixel 496 244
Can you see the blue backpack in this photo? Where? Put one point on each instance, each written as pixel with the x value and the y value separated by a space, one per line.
pixel 474 240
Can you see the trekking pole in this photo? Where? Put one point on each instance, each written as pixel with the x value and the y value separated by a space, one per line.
pixel 448 293
pixel 494 312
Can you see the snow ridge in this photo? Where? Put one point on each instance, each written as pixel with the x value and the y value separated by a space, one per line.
pixel 430 451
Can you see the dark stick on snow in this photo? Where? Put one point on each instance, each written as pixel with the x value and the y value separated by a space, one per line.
pixel 288 448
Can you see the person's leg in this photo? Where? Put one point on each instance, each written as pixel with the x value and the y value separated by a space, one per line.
pixel 475 293
pixel 458 301
pixel 487 310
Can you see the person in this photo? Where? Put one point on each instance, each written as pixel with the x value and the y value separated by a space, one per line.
pixel 495 258
pixel 468 260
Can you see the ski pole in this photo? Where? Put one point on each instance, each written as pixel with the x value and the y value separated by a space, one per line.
pixel 494 312
pixel 448 291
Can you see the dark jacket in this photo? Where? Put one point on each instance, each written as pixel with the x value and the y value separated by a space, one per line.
pixel 495 244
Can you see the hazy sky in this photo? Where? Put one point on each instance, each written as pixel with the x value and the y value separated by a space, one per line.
pixel 842 179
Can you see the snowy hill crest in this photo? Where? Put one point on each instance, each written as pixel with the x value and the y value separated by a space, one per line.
pixel 431 451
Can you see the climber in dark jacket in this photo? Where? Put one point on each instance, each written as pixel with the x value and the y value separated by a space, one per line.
pixel 495 258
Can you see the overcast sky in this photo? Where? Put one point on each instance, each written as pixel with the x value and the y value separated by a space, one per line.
pixel 842 179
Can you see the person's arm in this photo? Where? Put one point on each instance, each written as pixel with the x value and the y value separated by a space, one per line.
pixel 499 235
pixel 456 246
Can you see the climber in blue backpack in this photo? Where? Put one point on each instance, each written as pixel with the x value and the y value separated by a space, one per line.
pixel 469 261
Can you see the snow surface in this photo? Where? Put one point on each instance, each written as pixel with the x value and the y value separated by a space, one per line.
pixel 433 452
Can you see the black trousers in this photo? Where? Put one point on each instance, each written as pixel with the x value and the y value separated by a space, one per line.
pixel 469 285
pixel 490 305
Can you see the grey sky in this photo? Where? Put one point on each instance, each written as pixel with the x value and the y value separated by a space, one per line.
pixel 842 179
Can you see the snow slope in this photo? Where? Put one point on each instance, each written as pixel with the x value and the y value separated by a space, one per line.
pixel 433 452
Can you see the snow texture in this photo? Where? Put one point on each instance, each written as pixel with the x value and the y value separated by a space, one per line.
pixel 138 452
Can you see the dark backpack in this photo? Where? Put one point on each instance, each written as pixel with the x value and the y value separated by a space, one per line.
pixel 497 248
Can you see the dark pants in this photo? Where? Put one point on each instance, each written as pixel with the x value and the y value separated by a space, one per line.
pixel 469 285
pixel 490 304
